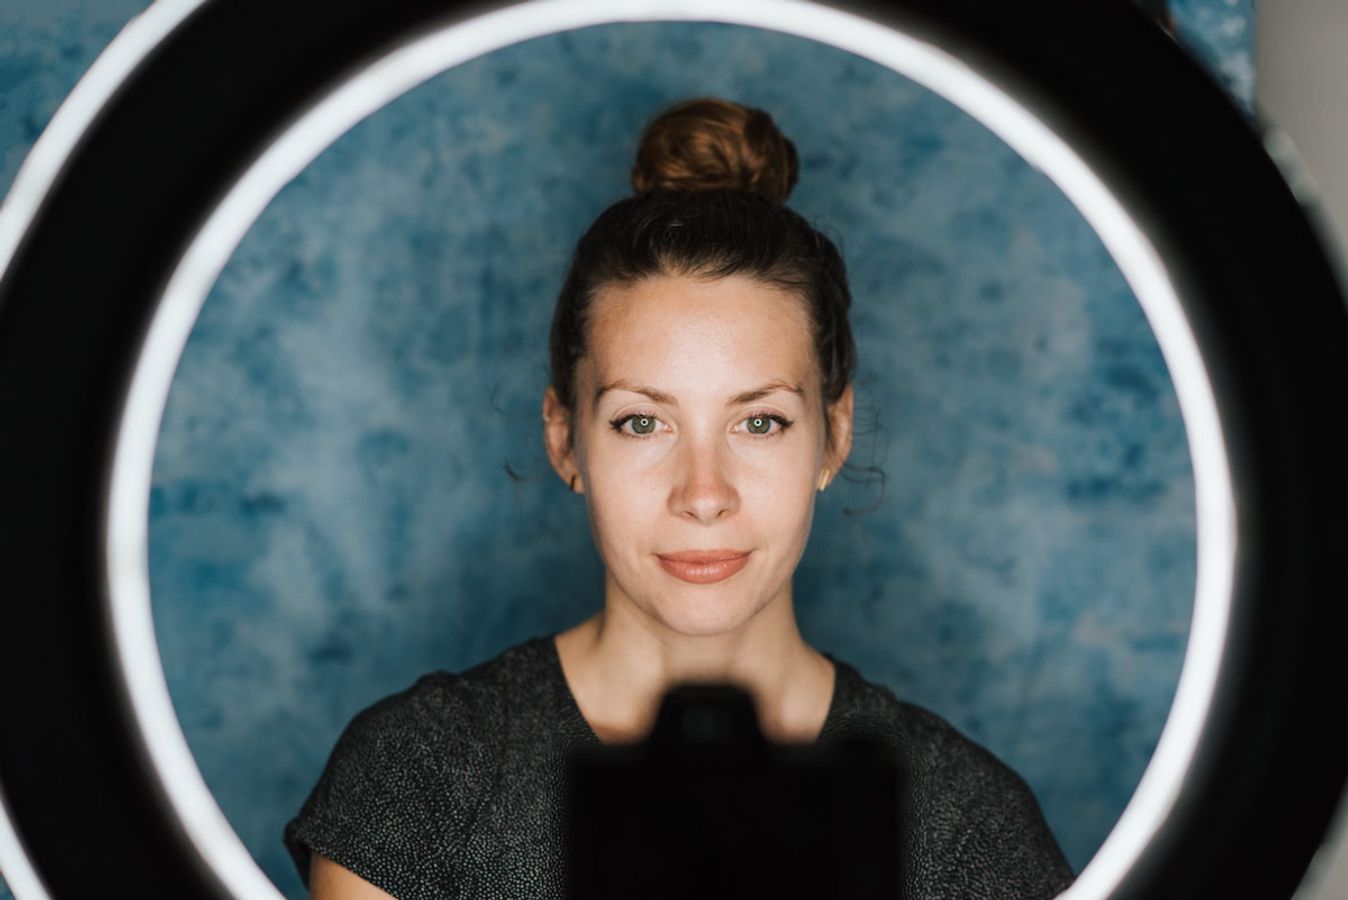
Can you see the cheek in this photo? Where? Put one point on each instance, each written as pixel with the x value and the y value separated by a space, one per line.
pixel 624 499
pixel 779 494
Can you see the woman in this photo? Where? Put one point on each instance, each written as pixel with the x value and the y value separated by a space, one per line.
pixel 701 364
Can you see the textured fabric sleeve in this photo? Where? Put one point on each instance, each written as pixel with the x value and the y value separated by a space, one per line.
pixel 990 836
pixel 369 811
pixel 1007 847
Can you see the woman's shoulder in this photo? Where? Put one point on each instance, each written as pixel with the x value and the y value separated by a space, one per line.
pixel 929 742
pixel 487 699
pixel 409 772
pixel 981 825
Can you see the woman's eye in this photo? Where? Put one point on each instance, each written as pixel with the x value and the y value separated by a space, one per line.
pixel 637 424
pixel 762 424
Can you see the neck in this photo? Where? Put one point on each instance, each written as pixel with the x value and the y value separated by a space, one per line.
pixel 620 662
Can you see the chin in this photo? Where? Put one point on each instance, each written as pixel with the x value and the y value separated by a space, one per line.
pixel 705 615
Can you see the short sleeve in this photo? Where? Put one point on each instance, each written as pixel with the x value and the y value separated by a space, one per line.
pixel 990 836
pixel 1007 846
pixel 370 811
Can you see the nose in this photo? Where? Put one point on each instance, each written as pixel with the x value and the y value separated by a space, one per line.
pixel 703 489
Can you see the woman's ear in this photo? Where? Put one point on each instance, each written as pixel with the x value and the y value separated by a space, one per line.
pixel 560 441
pixel 840 414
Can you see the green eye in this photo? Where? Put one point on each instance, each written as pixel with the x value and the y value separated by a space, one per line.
pixel 643 424
pixel 759 424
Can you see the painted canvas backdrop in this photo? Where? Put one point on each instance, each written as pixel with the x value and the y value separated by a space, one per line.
pixel 332 512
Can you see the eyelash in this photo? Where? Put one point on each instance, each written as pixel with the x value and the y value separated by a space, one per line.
pixel 783 423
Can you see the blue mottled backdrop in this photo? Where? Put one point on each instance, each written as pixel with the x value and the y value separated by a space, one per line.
pixel 331 514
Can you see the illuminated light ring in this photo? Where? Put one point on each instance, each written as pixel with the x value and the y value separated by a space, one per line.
pixel 989 82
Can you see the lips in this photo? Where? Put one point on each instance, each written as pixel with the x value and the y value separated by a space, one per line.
pixel 704 566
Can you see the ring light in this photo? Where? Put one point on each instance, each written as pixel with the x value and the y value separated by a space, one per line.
pixel 1239 294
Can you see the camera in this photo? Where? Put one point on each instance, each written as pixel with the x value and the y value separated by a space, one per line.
pixel 707 806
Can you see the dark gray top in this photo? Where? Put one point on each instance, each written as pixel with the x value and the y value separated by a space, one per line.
pixel 452 788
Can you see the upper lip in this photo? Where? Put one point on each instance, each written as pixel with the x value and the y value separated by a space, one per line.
pixel 703 557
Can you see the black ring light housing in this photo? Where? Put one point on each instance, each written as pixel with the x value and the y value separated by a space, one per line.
pixel 94 247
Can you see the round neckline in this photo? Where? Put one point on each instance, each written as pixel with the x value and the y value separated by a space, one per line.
pixel 574 712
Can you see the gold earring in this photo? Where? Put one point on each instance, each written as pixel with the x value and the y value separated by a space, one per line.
pixel 824 478
pixel 573 484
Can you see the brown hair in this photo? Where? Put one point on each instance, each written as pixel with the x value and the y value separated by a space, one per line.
pixel 708 143
pixel 711 180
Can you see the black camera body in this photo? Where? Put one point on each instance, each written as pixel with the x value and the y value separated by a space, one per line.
pixel 707 807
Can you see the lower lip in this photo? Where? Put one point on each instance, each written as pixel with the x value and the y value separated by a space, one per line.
pixel 704 573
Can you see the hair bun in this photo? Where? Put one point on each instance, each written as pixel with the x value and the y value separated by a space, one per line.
pixel 713 144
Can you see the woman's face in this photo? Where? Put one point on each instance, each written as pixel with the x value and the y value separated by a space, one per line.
pixel 698 439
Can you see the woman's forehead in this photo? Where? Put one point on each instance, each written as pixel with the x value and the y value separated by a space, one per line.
pixel 679 326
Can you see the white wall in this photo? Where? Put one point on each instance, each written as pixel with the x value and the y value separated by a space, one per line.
pixel 1301 86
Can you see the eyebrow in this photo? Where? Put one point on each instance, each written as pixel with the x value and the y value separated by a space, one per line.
pixel 659 396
